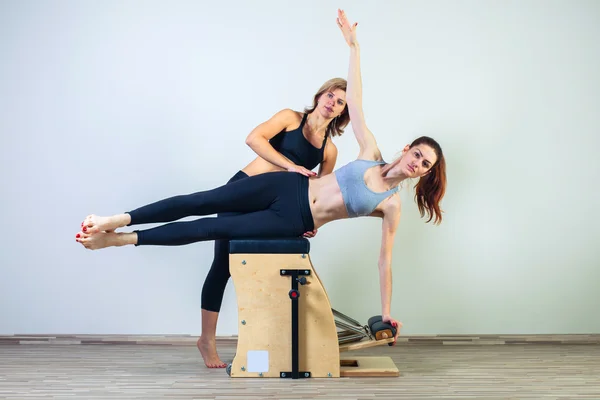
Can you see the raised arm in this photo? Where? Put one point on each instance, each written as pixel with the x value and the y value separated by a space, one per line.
pixel 258 140
pixel 366 139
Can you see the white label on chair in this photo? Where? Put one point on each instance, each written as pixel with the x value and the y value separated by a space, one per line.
pixel 258 361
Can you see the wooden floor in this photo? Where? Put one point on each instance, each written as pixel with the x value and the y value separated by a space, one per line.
pixel 159 371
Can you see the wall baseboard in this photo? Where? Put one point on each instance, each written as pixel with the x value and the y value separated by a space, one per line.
pixel 189 340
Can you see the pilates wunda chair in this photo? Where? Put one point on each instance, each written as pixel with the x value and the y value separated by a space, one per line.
pixel 286 324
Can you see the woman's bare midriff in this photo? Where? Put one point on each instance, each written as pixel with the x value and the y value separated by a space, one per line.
pixel 326 201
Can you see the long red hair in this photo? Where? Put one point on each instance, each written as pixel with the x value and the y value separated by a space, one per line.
pixel 431 187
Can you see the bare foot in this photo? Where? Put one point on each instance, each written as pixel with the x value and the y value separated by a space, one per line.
pixel 95 224
pixel 102 240
pixel 208 349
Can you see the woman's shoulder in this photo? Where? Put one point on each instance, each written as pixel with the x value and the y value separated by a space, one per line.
pixel 290 118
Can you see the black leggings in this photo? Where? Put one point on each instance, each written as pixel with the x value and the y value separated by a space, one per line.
pixel 273 205
pixel 218 275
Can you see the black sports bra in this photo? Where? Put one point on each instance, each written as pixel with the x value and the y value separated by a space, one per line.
pixel 297 148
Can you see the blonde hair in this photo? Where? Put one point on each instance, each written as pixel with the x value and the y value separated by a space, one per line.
pixel 335 127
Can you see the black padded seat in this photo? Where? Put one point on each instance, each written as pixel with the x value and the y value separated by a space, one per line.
pixel 269 246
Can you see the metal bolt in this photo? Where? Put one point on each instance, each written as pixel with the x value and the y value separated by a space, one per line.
pixel 303 255
pixel 243 322
pixel 283 271
pixel 306 374
pixel 283 374
pixel 306 272
pixel 243 368
pixel 329 374
pixel 260 374
pixel 243 262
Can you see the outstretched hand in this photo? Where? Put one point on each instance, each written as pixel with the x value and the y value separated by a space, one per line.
pixel 301 170
pixel 395 324
pixel 348 30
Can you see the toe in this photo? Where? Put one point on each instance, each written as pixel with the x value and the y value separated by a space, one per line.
pixel 88 222
pixel 90 228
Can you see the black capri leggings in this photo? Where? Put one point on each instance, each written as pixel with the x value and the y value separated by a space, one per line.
pixel 274 204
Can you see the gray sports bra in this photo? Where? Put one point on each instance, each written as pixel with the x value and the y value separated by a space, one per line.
pixel 358 198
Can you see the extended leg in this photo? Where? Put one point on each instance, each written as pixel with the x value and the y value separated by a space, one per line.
pixel 244 196
pixel 261 224
pixel 278 195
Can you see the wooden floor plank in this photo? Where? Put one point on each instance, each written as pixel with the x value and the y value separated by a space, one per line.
pixel 43 371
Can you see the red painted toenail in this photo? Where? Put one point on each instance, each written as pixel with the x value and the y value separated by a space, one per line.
pixel 85 228
pixel 78 235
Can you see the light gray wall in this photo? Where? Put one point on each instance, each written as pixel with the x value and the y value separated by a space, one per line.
pixel 106 106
